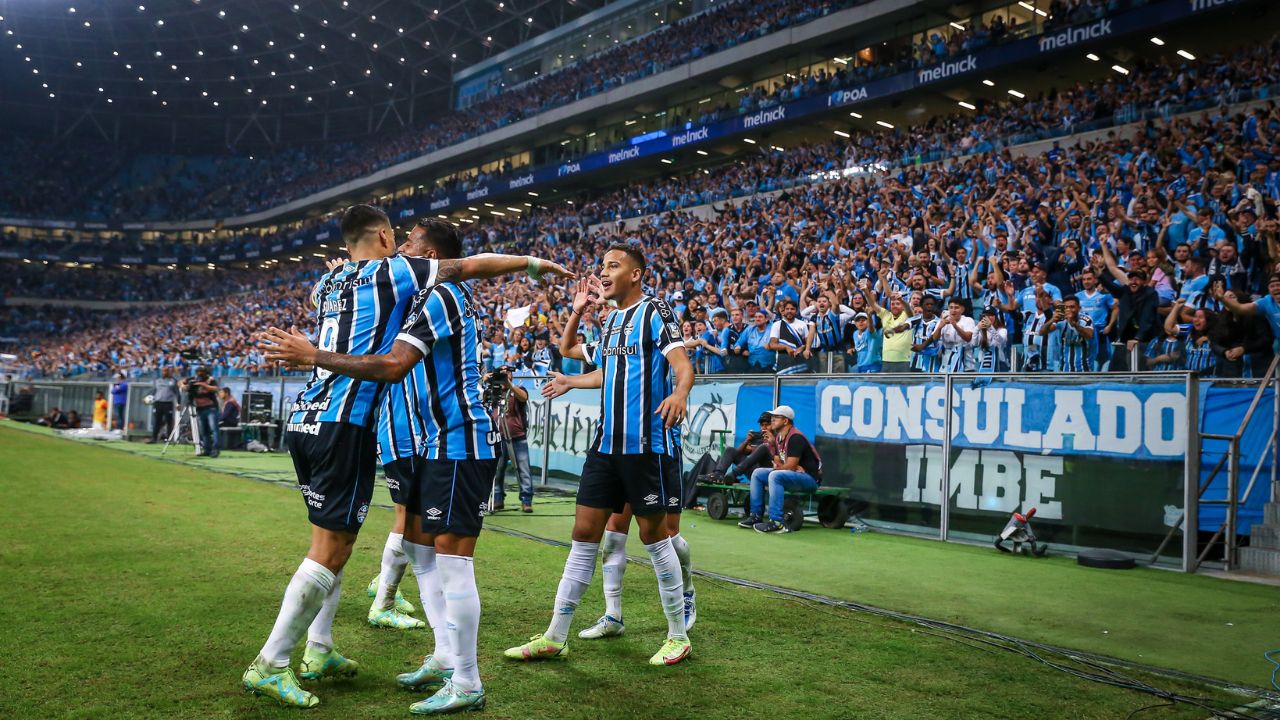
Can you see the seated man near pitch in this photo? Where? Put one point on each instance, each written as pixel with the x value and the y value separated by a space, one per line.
pixel 796 466
pixel 755 451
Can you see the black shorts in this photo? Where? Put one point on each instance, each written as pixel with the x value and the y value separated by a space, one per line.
pixel 402 481
pixel 335 467
pixel 454 494
pixel 650 482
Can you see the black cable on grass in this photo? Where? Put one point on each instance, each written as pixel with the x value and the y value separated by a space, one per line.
pixel 1149 707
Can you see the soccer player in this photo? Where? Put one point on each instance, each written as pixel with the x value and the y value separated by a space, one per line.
pixel 614 542
pixel 329 433
pixel 635 458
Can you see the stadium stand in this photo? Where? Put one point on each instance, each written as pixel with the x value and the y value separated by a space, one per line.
pixel 1052 210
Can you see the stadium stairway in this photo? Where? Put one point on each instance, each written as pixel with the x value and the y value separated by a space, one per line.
pixel 1262 557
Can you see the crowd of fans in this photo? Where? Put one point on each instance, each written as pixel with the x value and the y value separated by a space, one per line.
pixel 38 280
pixel 1162 244
pixel 75 342
pixel 156 187
pixel 152 187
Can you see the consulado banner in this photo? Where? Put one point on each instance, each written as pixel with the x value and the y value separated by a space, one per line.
pixel 1101 462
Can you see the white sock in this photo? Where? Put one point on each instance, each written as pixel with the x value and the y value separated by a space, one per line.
pixel 667 567
pixel 681 547
pixel 320 633
pixel 393 564
pixel 462 610
pixel 423 558
pixel 578 569
pixel 612 568
pixel 303 597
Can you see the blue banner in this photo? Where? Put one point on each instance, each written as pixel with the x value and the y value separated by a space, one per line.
pixel 1135 422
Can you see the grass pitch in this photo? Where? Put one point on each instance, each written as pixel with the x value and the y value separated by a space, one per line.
pixel 135 588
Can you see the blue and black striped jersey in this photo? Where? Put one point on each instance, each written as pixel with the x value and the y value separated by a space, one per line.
pixel 399 432
pixel 1075 351
pixel 359 307
pixel 448 403
pixel 636 378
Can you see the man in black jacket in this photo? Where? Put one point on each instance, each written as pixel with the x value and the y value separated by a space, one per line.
pixel 1136 318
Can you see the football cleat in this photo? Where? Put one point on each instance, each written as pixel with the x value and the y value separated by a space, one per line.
pixel 317 664
pixel 394 619
pixel 402 605
pixel 449 699
pixel 673 651
pixel 690 609
pixel 279 684
pixel 606 626
pixel 431 673
pixel 537 648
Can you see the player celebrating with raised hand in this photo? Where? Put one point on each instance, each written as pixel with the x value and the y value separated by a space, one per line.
pixel 635 458
pixel 614 544
pixel 360 306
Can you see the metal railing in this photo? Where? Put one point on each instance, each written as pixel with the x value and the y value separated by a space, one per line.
pixel 1227 532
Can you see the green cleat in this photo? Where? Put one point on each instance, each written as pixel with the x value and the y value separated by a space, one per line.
pixel 673 651
pixel 431 673
pixel 449 699
pixel 317 665
pixel 279 684
pixel 537 648
pixel 402 605
pixel 394 619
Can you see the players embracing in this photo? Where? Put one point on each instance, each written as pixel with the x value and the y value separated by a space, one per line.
pixel 380 315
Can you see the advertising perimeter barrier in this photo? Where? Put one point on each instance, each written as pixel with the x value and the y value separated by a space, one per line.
pixel 1107 460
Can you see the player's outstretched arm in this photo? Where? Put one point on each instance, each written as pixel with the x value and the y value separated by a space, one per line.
pixel 559 384
pixel 491 265
pixel 294 349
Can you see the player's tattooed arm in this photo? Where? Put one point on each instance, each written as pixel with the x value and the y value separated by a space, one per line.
pixel 491 265
pixel 295 350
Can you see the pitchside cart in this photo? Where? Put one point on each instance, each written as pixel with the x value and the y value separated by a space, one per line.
pixel 828 505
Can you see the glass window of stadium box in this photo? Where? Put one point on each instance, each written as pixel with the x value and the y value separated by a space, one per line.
pixel 879 437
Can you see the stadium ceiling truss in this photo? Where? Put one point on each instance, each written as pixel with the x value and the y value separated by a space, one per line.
pixel 240 68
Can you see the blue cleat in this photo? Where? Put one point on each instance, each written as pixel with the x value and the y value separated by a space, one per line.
pixel 449 699
pixel 431 673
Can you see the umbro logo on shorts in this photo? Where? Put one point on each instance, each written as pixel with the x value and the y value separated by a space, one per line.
pixel 673 501
pixel 434 514
pixel 362 512
pixel 650 499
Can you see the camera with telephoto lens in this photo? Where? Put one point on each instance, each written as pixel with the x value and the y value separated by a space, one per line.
pixel 495 387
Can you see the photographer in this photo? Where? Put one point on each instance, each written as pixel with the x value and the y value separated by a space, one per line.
pixel 202 391
pixel 755 451
pixel 163 400
pixel 511 421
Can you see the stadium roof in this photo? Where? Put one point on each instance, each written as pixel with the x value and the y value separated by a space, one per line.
pixel 294 69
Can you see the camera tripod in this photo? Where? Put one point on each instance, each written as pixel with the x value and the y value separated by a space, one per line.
pixel 188 414
pixel 497 408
